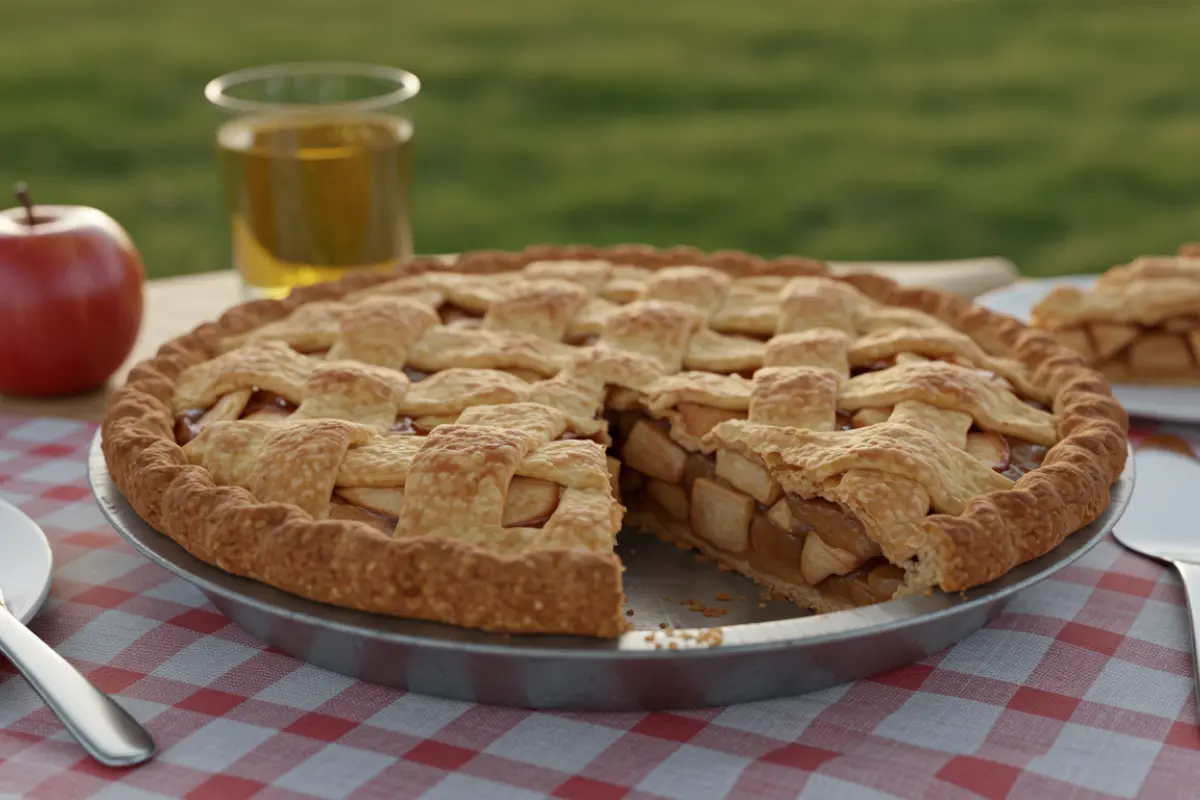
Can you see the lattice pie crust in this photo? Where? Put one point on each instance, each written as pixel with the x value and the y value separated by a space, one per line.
pixel 462 443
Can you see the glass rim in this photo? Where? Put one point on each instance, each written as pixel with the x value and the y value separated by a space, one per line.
pixel 216 91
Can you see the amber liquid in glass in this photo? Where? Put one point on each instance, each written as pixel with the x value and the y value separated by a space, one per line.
pixel 311 197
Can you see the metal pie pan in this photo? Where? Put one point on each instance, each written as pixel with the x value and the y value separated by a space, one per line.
pixel 769 648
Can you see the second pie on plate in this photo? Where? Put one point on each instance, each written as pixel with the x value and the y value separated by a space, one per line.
pixel 1138 323
pixel 463 443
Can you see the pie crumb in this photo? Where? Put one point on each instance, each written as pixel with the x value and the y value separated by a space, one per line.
pixel 707 637
pixel 726 596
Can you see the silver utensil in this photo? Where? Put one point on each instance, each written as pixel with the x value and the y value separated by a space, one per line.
pixel 102 727
pixel 1161 523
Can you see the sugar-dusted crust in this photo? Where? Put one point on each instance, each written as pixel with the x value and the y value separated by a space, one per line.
pixel 573 590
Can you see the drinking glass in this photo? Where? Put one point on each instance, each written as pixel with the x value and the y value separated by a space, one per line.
pixel 316 162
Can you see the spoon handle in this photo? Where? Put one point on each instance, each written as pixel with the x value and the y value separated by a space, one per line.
pixel 102 727
pixel 1190 573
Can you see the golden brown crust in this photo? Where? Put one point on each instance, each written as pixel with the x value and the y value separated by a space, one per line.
pixel 573 590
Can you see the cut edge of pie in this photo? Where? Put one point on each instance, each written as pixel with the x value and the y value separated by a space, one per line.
pixel 840 446
pixel 1138 323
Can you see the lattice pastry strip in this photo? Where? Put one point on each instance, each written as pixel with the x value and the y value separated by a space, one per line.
pixel 702 288
pixel 751 308
pixel 381 330
pixel 444 347
pixel 542 308
pixel 953 387
pixel 807 303
pixel 795 397
pixel 826 348
pixel 270 366
pixel 658 329
pixel 718 352
pixel 593 276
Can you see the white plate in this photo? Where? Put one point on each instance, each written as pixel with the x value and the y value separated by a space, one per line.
pixel 25 563
pixel 1175 403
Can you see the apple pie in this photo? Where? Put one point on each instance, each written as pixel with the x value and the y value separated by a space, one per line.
pixel 1138 323
pixel 462 443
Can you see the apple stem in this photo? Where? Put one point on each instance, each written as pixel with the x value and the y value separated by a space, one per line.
pixel 21 190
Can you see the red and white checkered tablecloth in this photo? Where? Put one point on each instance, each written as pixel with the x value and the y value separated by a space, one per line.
pixel 1080 689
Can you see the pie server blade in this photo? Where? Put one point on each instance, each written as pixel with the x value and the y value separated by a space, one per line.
pixel 1163 522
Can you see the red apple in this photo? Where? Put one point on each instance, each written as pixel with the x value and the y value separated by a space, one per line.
pixel 70 298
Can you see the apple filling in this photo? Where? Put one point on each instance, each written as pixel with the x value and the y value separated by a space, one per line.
pixel 733 504
pixel 1010 456
pixel 875 582
pixel 795 541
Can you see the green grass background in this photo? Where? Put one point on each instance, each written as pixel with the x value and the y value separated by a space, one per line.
pixel 1064 134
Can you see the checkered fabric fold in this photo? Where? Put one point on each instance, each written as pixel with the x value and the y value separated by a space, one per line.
pixel 1080 689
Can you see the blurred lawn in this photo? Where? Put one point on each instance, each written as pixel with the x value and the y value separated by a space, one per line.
pixel 1063 134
